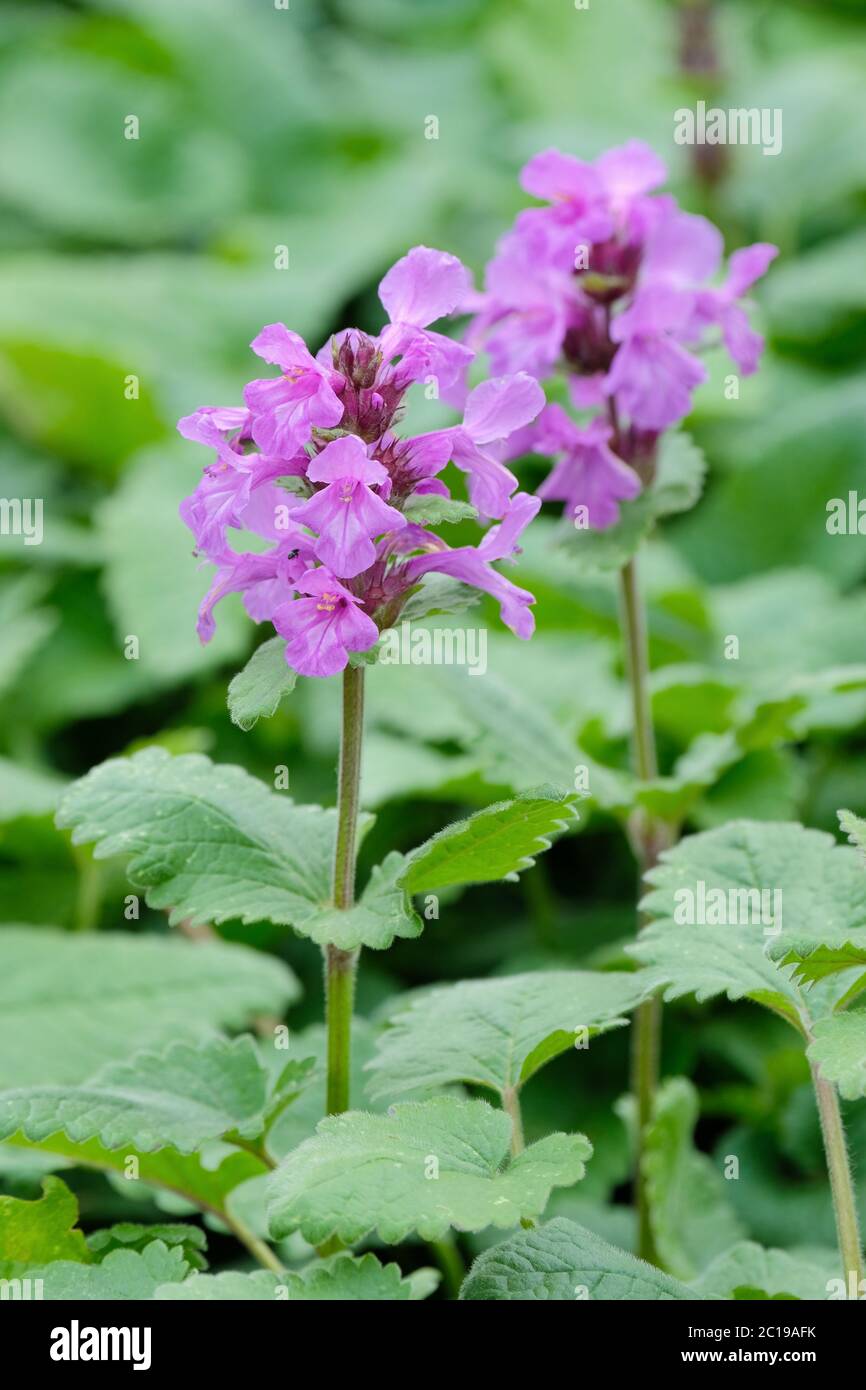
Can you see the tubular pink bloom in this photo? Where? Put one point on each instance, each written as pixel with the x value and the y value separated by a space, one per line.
pixel 212 424
pixel 495 410
pixel 498 407
pixel 240 494
pixel 258 577
pixel 719 306
pixel 588 473
pixel 629 171
pixel 558 178
pixel 475 565
pixel 424 286
pixel 288 408
pixel 652 380
pixel 346 513
pixel 323 626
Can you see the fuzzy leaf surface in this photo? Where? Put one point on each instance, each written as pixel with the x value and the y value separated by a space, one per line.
pixel 493 844
pixel 563 1261
pixel 179 1097
pixel 256 691
pixel 497 1033
pixel 362 1172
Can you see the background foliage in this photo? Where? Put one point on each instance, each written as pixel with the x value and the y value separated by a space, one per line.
pixel 305 128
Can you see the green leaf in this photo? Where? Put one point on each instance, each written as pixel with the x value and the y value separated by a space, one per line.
pixel 438 593
pixel 813 961
pixel 178 1097
pixel 817 884
pixel 497 1033
pixel 839 1050
pixel 428 509
pixel 748 1271
pixel 256 691
pixel 382 912
pixel 341 1278
pixel 129 1235
pixel 36 1232
pixel 495 843
pixel 677 485
pixel 565 1262
pixel 855 829
pixel 52 982
pixel 122 1275
pixel 212 844
pixel 689 1214
pixel 206 1180
pixel 423 1167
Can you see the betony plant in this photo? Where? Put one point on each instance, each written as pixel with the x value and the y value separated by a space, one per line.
pixel 608 285
pixel 313 464
pixel 340 515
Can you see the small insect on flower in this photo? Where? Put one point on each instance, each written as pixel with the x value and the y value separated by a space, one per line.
pixel 312 464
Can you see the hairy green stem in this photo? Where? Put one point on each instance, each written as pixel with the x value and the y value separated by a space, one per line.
pixel 88 901
pixel 841 1184
pixel 511 1105
pixel 450 1261
pixel 647 841
pixel 340 965
pixel 258 1248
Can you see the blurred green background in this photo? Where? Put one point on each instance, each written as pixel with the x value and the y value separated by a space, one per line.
pixel 262 127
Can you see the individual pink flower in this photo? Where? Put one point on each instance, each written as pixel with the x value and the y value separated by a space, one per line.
pixel 424 286
pixel 495 410
pixel 286 409
pixel 347 513
pixel 324 625
pixel 474 564
pixel 587 473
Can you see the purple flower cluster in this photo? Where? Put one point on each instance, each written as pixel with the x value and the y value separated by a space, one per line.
pixel 611 283
pixel 313 466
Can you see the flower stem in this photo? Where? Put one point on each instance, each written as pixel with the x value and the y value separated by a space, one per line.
pixel 647 841
pixel 258 1248
pixel 340 965
pixel 511 1105
pixel 841 1184
pixel 450 1262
